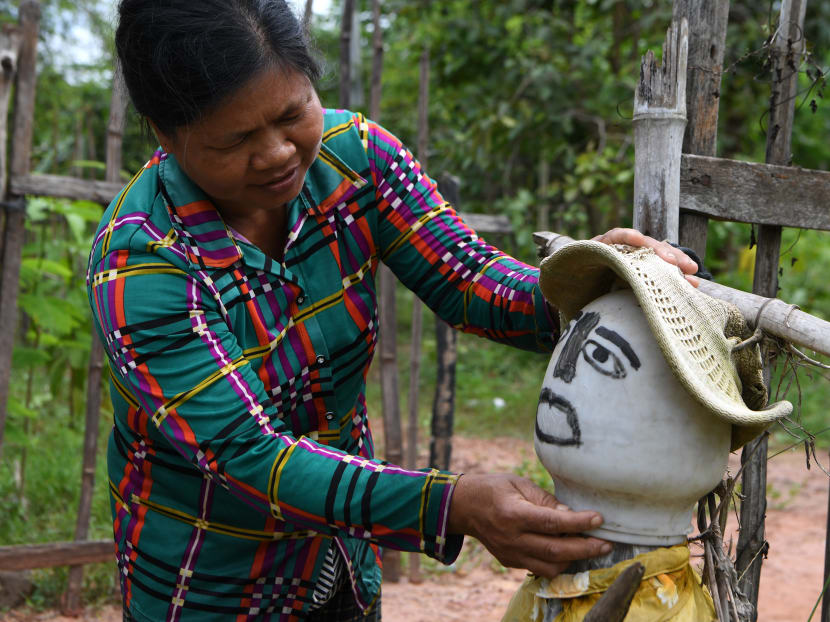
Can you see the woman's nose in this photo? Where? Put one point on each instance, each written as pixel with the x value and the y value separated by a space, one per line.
pixel 274 151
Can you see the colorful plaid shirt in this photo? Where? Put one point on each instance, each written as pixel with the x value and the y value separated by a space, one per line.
pixel 241 449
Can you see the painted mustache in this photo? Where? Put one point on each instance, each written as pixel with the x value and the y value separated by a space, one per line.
pixel 559 403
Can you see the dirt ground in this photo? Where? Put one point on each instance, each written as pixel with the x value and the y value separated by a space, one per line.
pixel 477 588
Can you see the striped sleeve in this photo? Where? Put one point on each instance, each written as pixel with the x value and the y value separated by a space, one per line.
pixel 170 347
pixel 468 283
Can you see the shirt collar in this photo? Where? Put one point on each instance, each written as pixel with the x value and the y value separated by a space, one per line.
pixel 210 243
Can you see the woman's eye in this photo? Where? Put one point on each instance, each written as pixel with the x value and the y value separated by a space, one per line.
pixel 602 359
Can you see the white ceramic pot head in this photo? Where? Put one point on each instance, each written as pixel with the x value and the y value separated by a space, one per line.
pixel 620 434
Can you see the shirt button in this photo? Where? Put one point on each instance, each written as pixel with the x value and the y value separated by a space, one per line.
pixel 321 359
pixel 329 415
pixel 300 300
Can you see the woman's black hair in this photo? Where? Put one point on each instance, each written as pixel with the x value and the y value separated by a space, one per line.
pixel 181 58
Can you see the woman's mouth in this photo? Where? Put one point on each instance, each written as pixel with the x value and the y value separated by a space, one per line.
pixel 282 182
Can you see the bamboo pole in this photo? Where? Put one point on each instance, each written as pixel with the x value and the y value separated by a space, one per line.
pixel 659 123
pixel 787 46
pixel 778 317
pixel 115 133
pixel 15 207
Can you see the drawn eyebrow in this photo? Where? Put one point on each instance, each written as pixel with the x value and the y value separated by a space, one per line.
pixel 566 363
pixel 621 343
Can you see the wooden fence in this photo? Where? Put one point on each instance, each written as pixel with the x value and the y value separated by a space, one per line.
pixel 695 187
pixel 680 184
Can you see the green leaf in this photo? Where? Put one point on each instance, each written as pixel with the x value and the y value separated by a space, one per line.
pixel 26 357
pixel 17 409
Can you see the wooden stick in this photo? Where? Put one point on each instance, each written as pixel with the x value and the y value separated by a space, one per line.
pixel 777 318
pixel 65 187
pixel 613 605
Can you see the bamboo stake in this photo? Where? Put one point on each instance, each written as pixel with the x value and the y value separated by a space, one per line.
pixel 115 132
pixel 15 207
pixel 659 123
pixel 777 318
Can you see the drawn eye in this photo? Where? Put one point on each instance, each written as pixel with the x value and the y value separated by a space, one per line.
pixel 602 359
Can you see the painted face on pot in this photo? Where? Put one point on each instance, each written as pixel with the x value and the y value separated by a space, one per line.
pixel 619 433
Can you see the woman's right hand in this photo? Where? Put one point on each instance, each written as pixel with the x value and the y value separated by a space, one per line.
pixel 522 525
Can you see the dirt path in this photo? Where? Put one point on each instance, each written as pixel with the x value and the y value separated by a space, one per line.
pixel 477 588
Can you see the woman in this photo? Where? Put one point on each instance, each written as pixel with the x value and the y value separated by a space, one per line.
pixel 232 282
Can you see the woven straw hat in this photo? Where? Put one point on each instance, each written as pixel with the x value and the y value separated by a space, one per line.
pixel 696 333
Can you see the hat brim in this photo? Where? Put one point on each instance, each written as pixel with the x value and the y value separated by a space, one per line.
pixel 687 324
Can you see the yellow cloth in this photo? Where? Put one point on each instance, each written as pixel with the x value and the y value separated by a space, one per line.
pixel 670 590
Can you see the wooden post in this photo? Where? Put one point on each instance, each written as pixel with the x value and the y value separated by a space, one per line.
pixel 659 122
pixel 446 350
pixel 417 306
pixel 346 35
pixel 787 46
pixel 707 23
pixel 389 390
pixel 15 207
pixel 309 4
pixel 115 133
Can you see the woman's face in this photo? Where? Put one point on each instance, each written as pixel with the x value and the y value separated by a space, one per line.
pixel 252 152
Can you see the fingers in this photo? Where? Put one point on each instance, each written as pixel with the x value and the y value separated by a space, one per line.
pixel 549 557
pixel 664 250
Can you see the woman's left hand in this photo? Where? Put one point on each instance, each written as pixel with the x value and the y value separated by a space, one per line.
pixel 664 250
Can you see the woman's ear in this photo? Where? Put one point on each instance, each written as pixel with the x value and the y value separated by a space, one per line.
pixel 163 139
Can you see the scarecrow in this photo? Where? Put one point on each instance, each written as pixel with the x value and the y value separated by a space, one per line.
pixel 650 387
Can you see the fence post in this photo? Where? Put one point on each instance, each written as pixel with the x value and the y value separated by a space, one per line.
pixel 15 207
pixel 707 23
pixel 115 133
pixel 659 122
pixel 446 350
pixel 787 45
